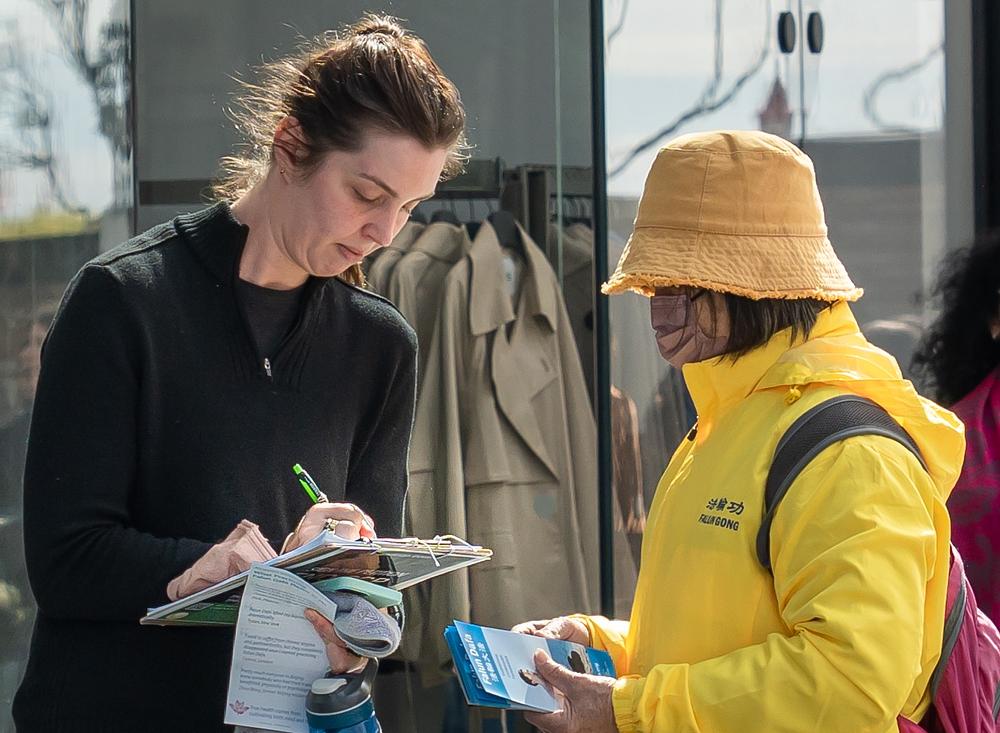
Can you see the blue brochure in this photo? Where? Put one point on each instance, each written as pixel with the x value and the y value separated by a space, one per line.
pixel 496 669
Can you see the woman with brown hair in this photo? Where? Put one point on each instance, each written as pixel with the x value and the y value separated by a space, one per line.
pixel 188 369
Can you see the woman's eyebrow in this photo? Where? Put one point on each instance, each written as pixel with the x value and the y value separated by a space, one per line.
pixel 380 183
pixel 388 189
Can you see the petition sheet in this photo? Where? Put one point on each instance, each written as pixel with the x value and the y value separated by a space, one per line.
pixel 277 653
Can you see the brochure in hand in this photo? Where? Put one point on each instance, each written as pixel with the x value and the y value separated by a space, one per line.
pixel 395 563
pixel 277 653
pixel 496 669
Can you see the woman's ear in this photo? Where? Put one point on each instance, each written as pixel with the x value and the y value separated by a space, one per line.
pixel 289 144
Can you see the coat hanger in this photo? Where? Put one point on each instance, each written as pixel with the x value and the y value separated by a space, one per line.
pixel 446 215
pixel 472 223
pixel 449 214
pixel 578 211
pixel 505 226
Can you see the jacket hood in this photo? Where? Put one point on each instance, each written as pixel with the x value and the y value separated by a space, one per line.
pixel 835 354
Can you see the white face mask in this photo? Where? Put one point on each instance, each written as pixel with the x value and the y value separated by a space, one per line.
pixel 679 336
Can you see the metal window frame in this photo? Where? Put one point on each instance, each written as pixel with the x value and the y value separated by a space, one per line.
pixel 602 350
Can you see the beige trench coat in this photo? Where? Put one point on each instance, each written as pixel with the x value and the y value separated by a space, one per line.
pixel 380 264
pixel 415 283
pixel 504 450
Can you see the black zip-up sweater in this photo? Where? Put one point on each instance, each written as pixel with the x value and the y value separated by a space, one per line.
pixel 156 429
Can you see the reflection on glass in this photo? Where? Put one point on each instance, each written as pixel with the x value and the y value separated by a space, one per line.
pixel 675 67
pixel 65 194
pixel 874 128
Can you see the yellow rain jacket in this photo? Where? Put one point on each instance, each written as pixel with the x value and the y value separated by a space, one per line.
pixel 845 635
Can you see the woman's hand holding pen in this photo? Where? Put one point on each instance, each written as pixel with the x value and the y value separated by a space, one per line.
pixel 347 520
pixel 350 523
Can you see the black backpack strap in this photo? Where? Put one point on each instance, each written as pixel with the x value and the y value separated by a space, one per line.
pixel 820 427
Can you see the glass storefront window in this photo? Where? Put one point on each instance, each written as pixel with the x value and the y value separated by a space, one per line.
pixel 65 195
pixel 523 69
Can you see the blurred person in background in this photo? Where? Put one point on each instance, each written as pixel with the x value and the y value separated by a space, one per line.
pixel 958 359
pixel 17 609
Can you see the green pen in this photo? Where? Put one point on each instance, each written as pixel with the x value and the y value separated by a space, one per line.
pixel 308 485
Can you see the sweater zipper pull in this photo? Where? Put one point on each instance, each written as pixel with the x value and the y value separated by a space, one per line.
pixel 267 367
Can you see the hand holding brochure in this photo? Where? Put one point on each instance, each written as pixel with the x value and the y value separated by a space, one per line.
pixel 277 653
pixel 395 563
pixel 496 668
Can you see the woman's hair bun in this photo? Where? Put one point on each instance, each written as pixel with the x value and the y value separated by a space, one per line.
pixel 372 25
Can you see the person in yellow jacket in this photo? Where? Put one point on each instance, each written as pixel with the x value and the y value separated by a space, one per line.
pixel 748 297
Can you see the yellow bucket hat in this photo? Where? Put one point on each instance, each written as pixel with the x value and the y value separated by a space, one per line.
pixel 736 212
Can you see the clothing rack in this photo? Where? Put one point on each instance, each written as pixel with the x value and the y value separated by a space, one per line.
pixel 483 178
pixel 531 192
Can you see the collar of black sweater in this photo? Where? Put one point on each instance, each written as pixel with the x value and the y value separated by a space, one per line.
pixel 216 238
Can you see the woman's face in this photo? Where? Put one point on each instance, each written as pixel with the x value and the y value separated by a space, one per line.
pixel 690 324
pixel 353 202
